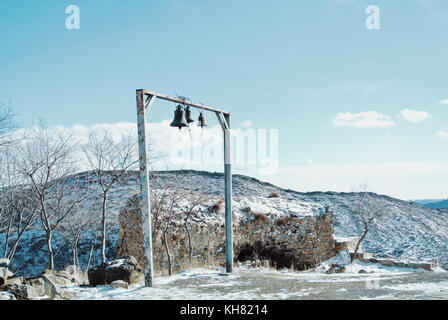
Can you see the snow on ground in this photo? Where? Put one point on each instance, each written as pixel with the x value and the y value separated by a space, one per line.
pixel 248 284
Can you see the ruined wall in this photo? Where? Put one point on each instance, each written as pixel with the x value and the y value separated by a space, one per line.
pixel 296 241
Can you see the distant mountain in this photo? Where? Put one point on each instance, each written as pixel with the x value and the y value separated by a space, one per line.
pixel 427 201
pixel 438 205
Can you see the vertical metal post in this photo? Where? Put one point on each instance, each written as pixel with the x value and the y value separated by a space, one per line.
pixel 228 195
pixel 144 188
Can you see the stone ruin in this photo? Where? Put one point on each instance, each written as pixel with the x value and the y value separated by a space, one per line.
pixel 298 241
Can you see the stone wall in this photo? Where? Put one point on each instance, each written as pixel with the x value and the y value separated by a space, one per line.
pixel 298 242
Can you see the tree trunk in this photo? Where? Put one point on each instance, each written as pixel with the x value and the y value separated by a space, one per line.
pixel 167 249
pixel 103 230
pixel 8 231
pixel 50 250
pixel 90 257
pixel 359 243
pixel 73 255
pixel 76 256
pixel 190 247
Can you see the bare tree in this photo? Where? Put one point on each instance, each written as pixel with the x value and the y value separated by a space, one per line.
pixel 194 201
pixel 81 222
pixel 366 211
pixel 165 210
pixel 46 161
pixel 7 124
pixel 17 204
pixel 110 161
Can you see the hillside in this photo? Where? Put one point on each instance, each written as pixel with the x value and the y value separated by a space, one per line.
pixel 408 230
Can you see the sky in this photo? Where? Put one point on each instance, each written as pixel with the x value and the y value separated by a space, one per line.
pixel 351 105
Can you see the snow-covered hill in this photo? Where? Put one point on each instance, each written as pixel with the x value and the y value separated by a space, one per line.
pixel 408 230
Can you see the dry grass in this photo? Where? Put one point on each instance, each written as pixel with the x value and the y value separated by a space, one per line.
pixel 260 217
pixel 217 206
pixel 282 221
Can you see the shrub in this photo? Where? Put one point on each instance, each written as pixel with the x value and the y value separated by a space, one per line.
pixel 217 206
pixel 260 217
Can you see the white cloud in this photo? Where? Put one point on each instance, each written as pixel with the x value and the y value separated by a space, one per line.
pixel 414 116
pixel 247 124
pixel 444 102
pixel 164 140
pixel 442 134
pixel 403 180
pixel 368 119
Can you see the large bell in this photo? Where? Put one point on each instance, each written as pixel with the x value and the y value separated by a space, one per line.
pixel 201 121
pixel 188 115
pixel 179 118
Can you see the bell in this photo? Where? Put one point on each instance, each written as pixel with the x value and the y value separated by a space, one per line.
pixel 201 121
pixel 179 118
pixel 188 115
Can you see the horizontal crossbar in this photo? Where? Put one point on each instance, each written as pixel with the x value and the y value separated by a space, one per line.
pixel 184 102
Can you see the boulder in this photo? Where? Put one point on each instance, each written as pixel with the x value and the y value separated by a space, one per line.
pixel 11 281
pixel 49 283
pixel 45 286
pixel 126 269
pixel 335 268
pixel 76 275
pixel 58 279
pixel 38 285
pixel 3 275
pixel 120 284
pixel 362 271
pixel 50 288
pixel 22 291
pixel 4 263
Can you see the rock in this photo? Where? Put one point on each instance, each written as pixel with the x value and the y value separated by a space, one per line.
pixel 76 275
pixel 120 284
pixel 335 268
pixel 11 281
pixel 50 288
pixel 362 271
pixel 59 279
pixel 22 291
pixel 4 263
pixel 6 296
pixel 126 269
pixel 339 269
pixel 38 285
pixel 330 270
pixel 3 275
pixel 49 284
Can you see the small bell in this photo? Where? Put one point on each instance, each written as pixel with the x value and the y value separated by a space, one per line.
pixel 188 115
pixel 201 121
pixel 179 118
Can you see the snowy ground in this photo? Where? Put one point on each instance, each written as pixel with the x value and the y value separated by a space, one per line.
pixel 249 284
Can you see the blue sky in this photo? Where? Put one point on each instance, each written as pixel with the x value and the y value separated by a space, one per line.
pixel 310 69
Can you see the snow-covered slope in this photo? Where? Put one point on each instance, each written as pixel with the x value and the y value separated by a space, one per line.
pixel 408 230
